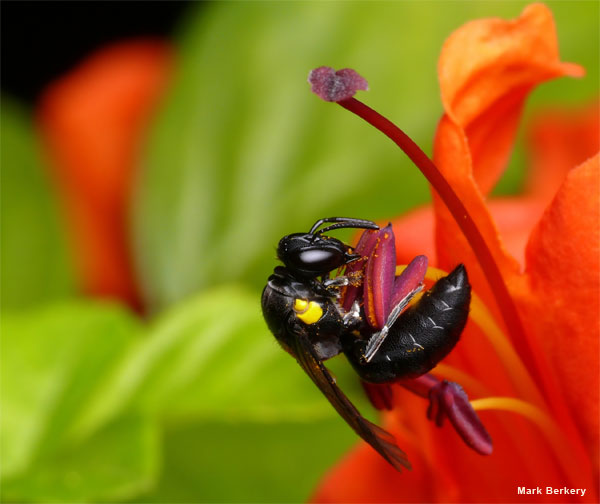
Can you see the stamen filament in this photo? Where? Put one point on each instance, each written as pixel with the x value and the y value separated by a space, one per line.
pixel 461 216
pixel 514 366
pixel 558 442
pixel 470 384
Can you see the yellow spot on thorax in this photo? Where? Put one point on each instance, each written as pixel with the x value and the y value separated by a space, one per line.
pixel 308 311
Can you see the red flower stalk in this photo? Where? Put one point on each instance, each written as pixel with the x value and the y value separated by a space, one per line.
pixel 538 384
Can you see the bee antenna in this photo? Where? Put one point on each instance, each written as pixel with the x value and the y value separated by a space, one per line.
pixel 342 222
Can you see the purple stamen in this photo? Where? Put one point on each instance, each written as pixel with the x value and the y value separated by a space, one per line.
pixel 334 86
pixel 379 278
pixel 421 385
pixel 454 403
pixel 409 279
pixel 380 395
pixel 435 411
pixel 449 400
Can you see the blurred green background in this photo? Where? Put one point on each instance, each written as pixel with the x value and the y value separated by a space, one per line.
pixel 197 403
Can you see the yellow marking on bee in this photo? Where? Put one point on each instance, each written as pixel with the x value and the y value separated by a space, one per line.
pixel 308 311
pixel 300 305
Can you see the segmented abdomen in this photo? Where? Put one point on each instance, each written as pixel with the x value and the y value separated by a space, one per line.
pixel 421 337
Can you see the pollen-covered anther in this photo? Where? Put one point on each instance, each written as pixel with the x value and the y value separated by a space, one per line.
pixel 334 86
pixel 449 400
pixel 355 278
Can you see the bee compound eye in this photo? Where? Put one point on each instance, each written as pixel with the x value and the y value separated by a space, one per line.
pixel 319 259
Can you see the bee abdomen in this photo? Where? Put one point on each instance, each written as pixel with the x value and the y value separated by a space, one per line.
pixel 422 336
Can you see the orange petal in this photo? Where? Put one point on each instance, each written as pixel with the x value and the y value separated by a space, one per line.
pixel 414 235
pixel 486 69
pixel 515 218
pixel 362 476
pixel 559 140
pixel 561 292
pixel 92 121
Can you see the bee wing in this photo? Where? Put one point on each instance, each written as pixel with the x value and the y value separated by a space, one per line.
pixel 378 438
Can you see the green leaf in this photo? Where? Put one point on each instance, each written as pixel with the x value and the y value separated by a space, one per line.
pixel 33 252
pixel 248 461
pixel 114 464
pixel 82 422
pixel 243 153
pixel 83 397
pixel 54 360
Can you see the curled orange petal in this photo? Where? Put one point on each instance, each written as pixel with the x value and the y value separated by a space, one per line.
pixel 487 67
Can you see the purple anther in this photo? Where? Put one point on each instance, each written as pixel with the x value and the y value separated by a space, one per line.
pixel 448 399
pixel 379 278
pixel 410 279
pixel 335 86
pixel 421 385
pixel 435 410
pixel 380 395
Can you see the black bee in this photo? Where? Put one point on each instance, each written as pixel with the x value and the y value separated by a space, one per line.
pixel 303 309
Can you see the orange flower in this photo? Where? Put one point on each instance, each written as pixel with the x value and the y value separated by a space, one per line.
pixel 538 383
pixel 92 121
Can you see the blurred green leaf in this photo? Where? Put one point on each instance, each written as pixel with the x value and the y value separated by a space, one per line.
pixel 32 248
pixel 248 461
pixel 117 462
pixel 83 394
pixel 243 153
pixel 54 360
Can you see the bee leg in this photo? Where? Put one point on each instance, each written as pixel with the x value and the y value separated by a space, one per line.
pixel 339 281
pixel 352 319
pixel 376 340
